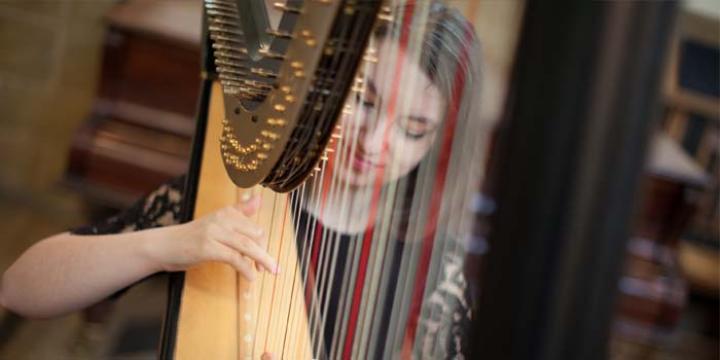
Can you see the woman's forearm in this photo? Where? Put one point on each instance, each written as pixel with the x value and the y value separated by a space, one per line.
pixel 66 272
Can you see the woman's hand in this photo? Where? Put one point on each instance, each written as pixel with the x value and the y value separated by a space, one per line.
pixel 227 235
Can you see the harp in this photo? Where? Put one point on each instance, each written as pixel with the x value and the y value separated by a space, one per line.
pixel 362 197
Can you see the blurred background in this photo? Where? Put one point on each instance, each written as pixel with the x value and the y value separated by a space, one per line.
pixel 97 99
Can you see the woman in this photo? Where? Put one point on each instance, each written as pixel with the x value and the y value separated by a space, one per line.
pixel 378 190
pixel 400 139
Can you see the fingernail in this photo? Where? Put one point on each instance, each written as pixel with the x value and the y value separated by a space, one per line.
pixel 276 270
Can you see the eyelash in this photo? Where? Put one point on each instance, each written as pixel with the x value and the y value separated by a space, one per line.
pixel 414 136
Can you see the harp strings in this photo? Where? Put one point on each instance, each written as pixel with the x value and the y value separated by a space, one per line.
pixel 416 15
pixel 382 206
pixel 277 315
pixel 292 330
pixel 408 267
pixel 343 160
pixel 454 223
pixel 334 192
pixel 382 241
pixel 377 272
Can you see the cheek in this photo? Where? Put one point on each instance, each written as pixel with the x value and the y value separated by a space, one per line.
pixel 408 153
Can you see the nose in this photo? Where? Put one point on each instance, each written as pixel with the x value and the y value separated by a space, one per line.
pixel 372 139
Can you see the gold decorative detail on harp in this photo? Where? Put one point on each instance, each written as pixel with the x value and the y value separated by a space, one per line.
pixel 258 88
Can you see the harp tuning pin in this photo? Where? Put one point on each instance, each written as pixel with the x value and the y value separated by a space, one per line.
pixel 329 150
pixel 385 17
pixel 317 169
pixel 285 88
pixel 264 73
pixel 270 135
pixel 349 10
pixel 272 55
pixel 370 58
pixel 299 74
pixel 286 8
pixel 279 107
pixel 261 156
pixel 289 98
pixel 309 39
pixel 279 34
pixel 276 122
pixel 385 13
pixel 296 65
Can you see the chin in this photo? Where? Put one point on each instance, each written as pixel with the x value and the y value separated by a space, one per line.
pixel 355 179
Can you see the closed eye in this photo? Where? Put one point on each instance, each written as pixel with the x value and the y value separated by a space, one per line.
pixel 416 127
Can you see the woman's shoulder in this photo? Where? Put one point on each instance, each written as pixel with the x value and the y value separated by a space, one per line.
pixel 447 313
pixel 161 207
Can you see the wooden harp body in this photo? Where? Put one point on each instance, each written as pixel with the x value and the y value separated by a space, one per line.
pixel 357 124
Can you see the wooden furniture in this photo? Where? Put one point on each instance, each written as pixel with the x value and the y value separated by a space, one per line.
pixel 653 290
pixel 139 130
pixel 673 256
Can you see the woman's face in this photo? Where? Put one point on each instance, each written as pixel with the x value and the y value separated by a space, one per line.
pixel 392 126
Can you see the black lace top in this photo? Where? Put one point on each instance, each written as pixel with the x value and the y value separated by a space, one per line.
pixel 159 208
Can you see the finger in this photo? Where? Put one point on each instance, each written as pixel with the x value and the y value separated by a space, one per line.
pixel 249 248
pixel 231 257
pixel 244 245
pixel 241 223
pixel 267 356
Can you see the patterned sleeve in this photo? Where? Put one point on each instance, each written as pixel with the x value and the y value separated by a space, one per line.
pixel 446 316
pixel 159 208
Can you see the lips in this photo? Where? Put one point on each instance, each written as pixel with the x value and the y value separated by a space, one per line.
pixel 362 164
